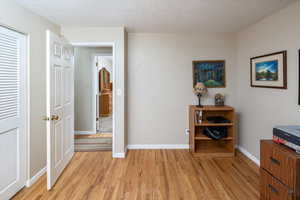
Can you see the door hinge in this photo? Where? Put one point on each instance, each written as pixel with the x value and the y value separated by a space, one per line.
pixel 96 64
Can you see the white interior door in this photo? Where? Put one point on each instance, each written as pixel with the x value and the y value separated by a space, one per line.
pixel 60 106
pixel 96 92
pixel 12 112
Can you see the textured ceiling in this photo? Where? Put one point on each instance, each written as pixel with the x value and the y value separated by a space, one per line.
pixel 157 16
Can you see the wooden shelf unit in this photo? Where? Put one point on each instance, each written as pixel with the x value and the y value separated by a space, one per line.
pixel 200 144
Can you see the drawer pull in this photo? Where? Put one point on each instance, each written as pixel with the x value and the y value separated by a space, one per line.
pixel 273 189
pixel 275 161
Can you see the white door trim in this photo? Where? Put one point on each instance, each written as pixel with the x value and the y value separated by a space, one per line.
pixel 106 44
pixel 27 109
pixel 95 90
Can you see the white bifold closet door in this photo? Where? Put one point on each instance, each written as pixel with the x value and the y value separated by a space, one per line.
pixel 12 112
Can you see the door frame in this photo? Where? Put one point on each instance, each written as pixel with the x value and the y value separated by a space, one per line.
pixel 114 92
pixel 27 110
pixel 96 84
pixel 26 104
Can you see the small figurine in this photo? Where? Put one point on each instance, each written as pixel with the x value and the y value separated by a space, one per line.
pixel 219 99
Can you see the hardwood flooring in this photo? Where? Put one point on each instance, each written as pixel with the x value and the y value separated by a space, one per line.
pixel 151 175
pixel 93 142
pixel 98 135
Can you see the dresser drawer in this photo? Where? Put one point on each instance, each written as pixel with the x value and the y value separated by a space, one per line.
pixel 276 160
pixel 272 189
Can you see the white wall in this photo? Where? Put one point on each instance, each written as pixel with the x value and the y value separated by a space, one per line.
pixel 13 15
pixel 85 86
pixel 117 36
pixel 260 109
pixel 160 84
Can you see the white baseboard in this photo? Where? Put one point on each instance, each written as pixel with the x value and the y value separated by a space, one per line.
pixel 158 146
pixel 150 146
pixel 32 180
pixel 249 155
pixel 84 132
pixel 119 155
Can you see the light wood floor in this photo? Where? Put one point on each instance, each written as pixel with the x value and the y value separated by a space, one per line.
pixel 98 135
pixel 151 174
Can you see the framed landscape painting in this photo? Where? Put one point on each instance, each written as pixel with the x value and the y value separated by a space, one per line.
pixel 269 71
pixel 211 73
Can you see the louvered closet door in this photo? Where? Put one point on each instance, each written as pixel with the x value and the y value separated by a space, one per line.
pixel 12 112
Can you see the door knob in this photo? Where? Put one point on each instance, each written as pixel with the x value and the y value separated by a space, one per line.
pixel 54 117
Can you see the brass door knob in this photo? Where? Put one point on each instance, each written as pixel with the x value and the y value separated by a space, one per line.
pixel 54 117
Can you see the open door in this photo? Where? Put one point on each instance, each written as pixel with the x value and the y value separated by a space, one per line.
pixel 60 106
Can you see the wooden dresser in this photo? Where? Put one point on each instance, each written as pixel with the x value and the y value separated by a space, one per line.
pixel 279 172
pixel 105 100
pixel 105 93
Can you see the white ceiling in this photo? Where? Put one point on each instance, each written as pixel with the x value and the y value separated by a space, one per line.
pixel 157 16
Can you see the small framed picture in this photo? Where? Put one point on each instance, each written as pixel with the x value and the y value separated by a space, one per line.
pixel 269 71
pixel 210 72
